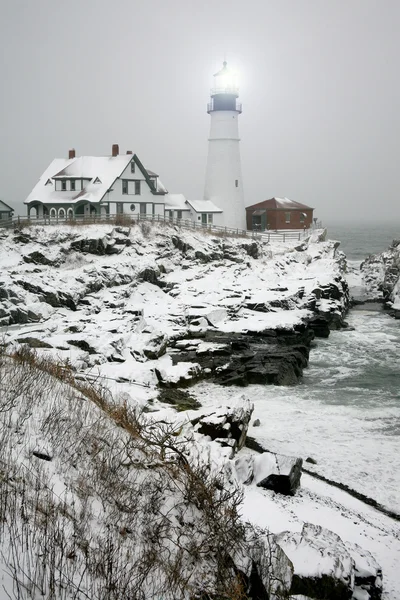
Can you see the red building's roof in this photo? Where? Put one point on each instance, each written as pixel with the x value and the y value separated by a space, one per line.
pixel 279 204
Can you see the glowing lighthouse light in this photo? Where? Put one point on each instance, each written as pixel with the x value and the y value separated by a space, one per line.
pixel 224 186
pixel 225 82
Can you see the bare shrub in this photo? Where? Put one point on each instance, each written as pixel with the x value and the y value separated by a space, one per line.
pixel 145 228
pixel 123 220
pixel 138 516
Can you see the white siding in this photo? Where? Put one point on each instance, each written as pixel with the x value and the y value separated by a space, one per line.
pixel 224 184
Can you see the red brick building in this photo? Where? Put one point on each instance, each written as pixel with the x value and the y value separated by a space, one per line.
pixel 278 213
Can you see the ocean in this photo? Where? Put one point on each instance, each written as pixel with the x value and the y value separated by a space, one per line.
pixel 358 241
pixel 346 413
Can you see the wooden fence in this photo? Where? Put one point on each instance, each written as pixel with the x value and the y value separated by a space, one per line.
pixel 126 220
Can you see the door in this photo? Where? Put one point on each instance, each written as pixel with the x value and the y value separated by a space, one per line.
pixel 204 218
pixel 120 208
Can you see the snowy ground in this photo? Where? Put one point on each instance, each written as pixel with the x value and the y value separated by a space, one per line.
pixel 348 446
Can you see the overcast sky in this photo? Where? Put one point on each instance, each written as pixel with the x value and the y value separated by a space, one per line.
pixel 319 82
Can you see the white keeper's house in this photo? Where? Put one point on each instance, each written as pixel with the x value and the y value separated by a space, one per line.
pixel 96 185
pixel 110 185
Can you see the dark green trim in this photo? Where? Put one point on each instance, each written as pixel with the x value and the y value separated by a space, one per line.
pixel 145 174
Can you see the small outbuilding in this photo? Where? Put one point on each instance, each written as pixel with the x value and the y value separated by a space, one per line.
pixel 6 212
pixel 278 213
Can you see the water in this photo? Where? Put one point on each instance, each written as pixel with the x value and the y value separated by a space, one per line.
pixel 358 241
pixel 346 414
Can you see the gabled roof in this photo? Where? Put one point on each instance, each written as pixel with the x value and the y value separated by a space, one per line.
pixel 6 205
pixel 100 172
pixel 279 204
pixel 204 206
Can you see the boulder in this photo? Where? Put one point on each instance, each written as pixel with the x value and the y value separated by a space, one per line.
pixel 82 345
pixel 367 573
pixel 33 342
pixel 230 424
pixel 37 258
pixel 323 567
pixel 150 275
pixel 251 249
pixel 180 244
pixel 270 471
pixel 156 347
pixel 265 569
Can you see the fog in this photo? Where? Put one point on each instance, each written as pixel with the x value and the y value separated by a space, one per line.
pixel 318 82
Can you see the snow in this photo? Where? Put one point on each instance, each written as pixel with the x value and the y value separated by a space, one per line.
pixel 204 206
pixel 176 202
pixel 124 316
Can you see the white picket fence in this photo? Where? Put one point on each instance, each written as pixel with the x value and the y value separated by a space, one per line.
pixel 126 220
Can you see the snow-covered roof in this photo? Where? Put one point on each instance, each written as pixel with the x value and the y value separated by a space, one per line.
pixel 2 203
pixel 204 206
pixel 102 171
pixel 280 204
pixel 175 202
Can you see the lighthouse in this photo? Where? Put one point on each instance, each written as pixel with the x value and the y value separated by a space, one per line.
pixel 224 185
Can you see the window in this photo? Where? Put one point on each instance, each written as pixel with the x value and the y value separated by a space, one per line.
pixel 302 217
pixel 171 215
pixel 61 213
pixel 63 185
pixel 72 185
pixel 236 182
pixel 142 208
pixel 132 167
pixel 210 218
pixel 52 213
pixel 49 182
pixel 124 186
pixel 70 213
pixel 97 180
pixel 137 188
pixel 133 207
pixel 179 214
pixel 287 217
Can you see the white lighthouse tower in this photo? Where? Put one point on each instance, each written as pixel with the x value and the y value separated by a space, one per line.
pixel 224 186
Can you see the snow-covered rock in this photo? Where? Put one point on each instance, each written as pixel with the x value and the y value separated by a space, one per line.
pixel 381 273
pixel 323 567
pixel 270 471
pixel 228 426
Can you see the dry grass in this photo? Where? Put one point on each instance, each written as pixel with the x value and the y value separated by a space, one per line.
pixel 139 517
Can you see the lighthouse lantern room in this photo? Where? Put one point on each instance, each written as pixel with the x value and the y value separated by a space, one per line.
pixel 223 185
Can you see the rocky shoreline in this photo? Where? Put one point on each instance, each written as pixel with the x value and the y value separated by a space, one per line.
pixel 381 275
pixel 165 309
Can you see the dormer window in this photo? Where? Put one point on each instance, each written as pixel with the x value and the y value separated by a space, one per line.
pixel 132 167
pixel 72 185
pixel 63 185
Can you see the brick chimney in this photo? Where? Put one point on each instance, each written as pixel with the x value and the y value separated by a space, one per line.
pixel 129 152
pixel 115 150
pixel 71 153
